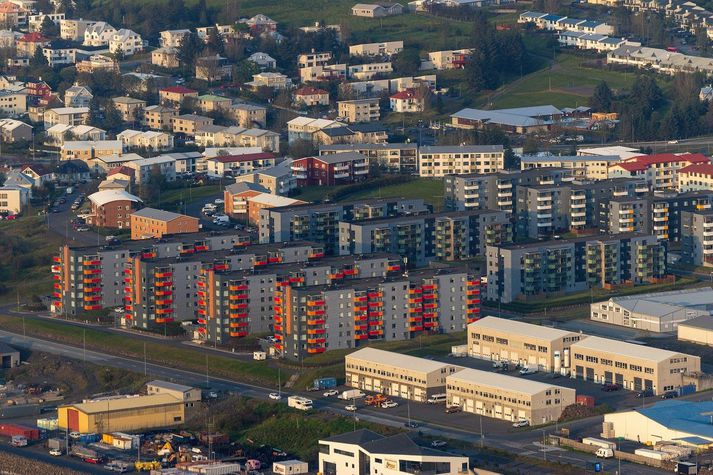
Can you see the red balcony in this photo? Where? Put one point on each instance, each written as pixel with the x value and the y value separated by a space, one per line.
pixel 261 262
pixel 360 318
pixel 238 306
pixel 96 280
pixel 430 305
pixel 164 293
pixel 472 292
pixel 92 289
pixel 277 299
pixel 200 283
pixel 238 287
pixel 315 350
pixel 56 259
pixel 202 311
pixel 416 328
pixel 128 308
pixel 472 301
pixel 274 260
pixel 428 287
pixel 314 303
pixel 391 268
pixel 221 267
pixel 361 336
pixel 416 300
pixel 128 316
pixel 279 346
pixel 374 295
pixel 430 314
pixel 57 295
pixel 57 286
pixel 315 313
pixel 167 283
pixel 376 304
pixel 238 297
pixel 277 309
pixel 377 313
pixel 415 310
pixel 415 319
pixel 128 271
pixel 161 275
pixel 92 271
pixel 238 314
pixel 317 321
pixel 92 298
pixel 92 307
pixel 56 269
pixel 238 324
pixel 149 255
pixel 92 262
pixel 296 280
pixel 350 272
pixel 336 275
pixel 430 324
pixel 164 311
pixel 316 255
pixel 164 319
pixel 313 341
pixel 57 304
pixel 360 299
pixel 361 308
pixel 361 327
pixel 470 311
pixel 278 328
pixel 284 283
pixel 417 290
pixel 473 319
pixel 316 331
pixel 376 332
pixel 128 290
pixel 201 247
pixel 430 296
pixel 186 251
pixel 238 334
pixel 241 244
pixel 57 277
pixel 164 302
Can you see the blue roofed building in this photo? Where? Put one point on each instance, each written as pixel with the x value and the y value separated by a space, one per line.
pixel 686 423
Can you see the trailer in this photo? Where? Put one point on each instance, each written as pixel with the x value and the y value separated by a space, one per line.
pixel 352 394
pixel 325 383
pixel 299 402
pixel 599 443
pixel 57 443
pixel 86 454
pixel 8 430
pixel 654 454
pixel 18 441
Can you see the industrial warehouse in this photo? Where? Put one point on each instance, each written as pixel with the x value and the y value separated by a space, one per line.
pixel 166 405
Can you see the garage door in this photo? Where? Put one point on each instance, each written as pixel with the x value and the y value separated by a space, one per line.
pixel 608 377
pixel 619 379
pixel 73 420
pixel 469 405
pixel 590 374
pixel 508 414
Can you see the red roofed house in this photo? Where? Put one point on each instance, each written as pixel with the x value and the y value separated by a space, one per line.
pixel 659 170
pixel 329 170
pixel 236 165
pixel 408 100
pixel 29 42
pixel 310 96
pixel 121 173
pixel 175 95
pixel 695 177
pixel 12 15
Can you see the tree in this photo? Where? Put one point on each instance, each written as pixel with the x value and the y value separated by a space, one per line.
pixel 244 71
pixel 215 41
pixel 48 28
pixel 301 148
pixel 191 48
pixel 601 100
pixel 407 62
pixel 38 59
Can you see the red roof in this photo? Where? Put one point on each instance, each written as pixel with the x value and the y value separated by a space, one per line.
pixel 178 90
pixel 309 91
pixel 642 162
pixel 9 7
pixel 405 94
pixel 122 169
pixel 248 157
pixel 703 168
pixel 33 37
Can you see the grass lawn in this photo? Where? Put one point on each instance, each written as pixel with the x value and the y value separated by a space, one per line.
pixel 28 249
pixel 172 199
pixel 430 189
pixel 156 351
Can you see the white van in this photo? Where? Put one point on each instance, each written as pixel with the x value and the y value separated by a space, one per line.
pixel 605 453
pixel 436 399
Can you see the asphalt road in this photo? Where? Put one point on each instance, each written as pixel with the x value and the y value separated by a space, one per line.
pixel 40 453
pixel 498 435
pixel 59 223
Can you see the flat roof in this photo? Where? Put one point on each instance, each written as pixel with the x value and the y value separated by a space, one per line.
pixel 500 381
pixel 704 322
pixel 169 385
pixel 624 349
pixel 159 214
pixel 407 362
pixel 513 326
pixel 124 403
pixel 663 303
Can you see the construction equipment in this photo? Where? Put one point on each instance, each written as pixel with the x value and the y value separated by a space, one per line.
pixel 147 466
pixel 375 400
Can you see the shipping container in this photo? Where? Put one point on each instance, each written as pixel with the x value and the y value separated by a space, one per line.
pixel 47 423
pixel 57 443
pixel 352 394
pixel 686 468
pixel 653 454
pixel 325 383
pixel 8 430
pixel 216 468
pixel 599 443
pixel 89 438
pixel 585 400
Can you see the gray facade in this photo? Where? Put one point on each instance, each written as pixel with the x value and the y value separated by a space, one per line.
pixel 697 237
pixel 392 157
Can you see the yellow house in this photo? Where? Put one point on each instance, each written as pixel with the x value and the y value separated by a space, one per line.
pixel 126 414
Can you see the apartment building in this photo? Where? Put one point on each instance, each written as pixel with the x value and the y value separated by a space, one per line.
pixel 244 200
pixel 112 208
pixel 278 179
pixel 234 136
pixel 236 165
pixel 159 117
pixel 438 161
pixel 210 103
pixel 73 30
pixel 407 101
pixel 308 60
pixel 632 366
pixel 173 38
pixel 667 209
pixel 359 110
pixel 13 103
pixel 269 79
pixel 396 374
pixel 584 167
pixel 327 72
pixel 520 343
pixel 144 168
pixel 174 96
pixel 149 140
pixel 697 237
pixel 450 236
pixel 125 42
pixel 66 116
pixel 320 223
pixel 98 34
pixel 392 157
pixel 189 124
pixel 660 171
pixel 78 96
pixel 330 170
pixel 314 319
pixel 695 177
pixel 509 398
pixel 310 97
pixel 542 210
pixel 13 199
pixel 365 72
pixel 165 57
pixel 496 191
pixel 625 215
pixel 150 223
pixel 97 62
pixel 249 115
pixel 91 277
pixel 387 48
pixel 522 271
pixel 246 303
pixel 131 109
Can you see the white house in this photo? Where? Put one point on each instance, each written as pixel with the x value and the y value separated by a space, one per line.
pixel 126 42
pixel 144 167
pixel 98 34
pixel 78 96
pixel 173 38
pixel 150 139
pixel 264 60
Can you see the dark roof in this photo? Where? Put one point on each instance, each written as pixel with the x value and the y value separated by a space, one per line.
pixel 72 166
pixel 243 158
pixel 367 127
pixel 242 186
pixel 337 131
pixel 360 436
pixel 340 157
pixel 400 444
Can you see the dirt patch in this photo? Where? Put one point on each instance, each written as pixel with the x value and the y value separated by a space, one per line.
pixel 15 465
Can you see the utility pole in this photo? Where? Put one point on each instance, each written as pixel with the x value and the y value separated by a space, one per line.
pixel 145 365
pixel 84 344
pixel 207 382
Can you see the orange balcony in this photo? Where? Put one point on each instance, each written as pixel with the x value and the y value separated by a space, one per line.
pixel 415 319
pixel 186 251
pixel 315 303
pixel 277 299
pixel 92 289
pixel 200 247
pixel 315 350
pixel 417 328
pixel 163 284
pixel 201 293
pixel 472 292
pixel 429 314
pixel 430 305
pixel 202 311
pixel 260 262
pixel 221 267
pixel 415 310
pixel 200 283
pixel 164 302
pixel 161 275
pixel 360 318
pixel 96 280
pixel 315 313
pixel 376 304
pixel 377 313
pixel 238 306
pixel 284 283
pixel 316 321
pixel 57 303
pixel 417 290
pixel 164 319
pixel 92 262
pixel 274 260
pixel 238 287
pixel 235 315
pixel 57 277
pixel 238 324
pixel 361 308
pixel 278 328
pixel 374 295
pixel 56 269
pixel 473 282
pixel 360 299
pixel 241 244
pixel 92 298
pixel 277 309
pixel 57 286
pixel 92 271
pixel 202 321
pixel 361 336
pixel 238 334
pixel 296 280
pixel 277 318
pixel 314 341
pixel 149 255
pixel 128 307
pixel 473 319
pixel 316 255
pixel 56 259
pixel 336 275
pixel 238 297
pixel 163 293
pixel 316 331
pixel 92 307
pixel 164 311
pixel 473 301
pixel 430 296
pixel 361 327
pixel 395 268
pixel 472 310
pixel 416 300
pixel 57 295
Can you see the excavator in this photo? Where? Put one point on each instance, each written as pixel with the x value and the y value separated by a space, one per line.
pixel 147 466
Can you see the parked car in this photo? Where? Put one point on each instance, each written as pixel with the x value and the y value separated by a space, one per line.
pixel 274 396
pixel 528 370
pixel 351 408
pixel 645 393
pixel 331 392
pixel 521 423
pixel 389 404
pixel 438 443
pixel 453 409
pixel 55 452
pixel 82 229
pixel 607 388
pixel 411 424
pixel 669 395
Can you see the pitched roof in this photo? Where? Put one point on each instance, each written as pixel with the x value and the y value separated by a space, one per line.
pixel 33 37
pixel 702 168
pixel 405 94
pixel 309 91
pixel 178 90
pixel 157 214
pixel 642 162
pixel 243 158
pixel 360 436
pixel 243 186
pixel 100 198
pixel 124 170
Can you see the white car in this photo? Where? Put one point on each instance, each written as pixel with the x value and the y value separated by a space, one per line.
pixel 389 404
pixel 219 201
pixel 119 310
pixel 351 408
pixel 275 396
pixel 331 392
pixel 521 423
pixel 525 371
pixel 438 443
pixel 55 452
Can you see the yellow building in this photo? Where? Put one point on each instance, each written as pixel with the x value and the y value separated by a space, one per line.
pixel 125 414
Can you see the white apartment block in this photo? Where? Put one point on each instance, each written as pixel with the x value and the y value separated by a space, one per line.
pixel 438 161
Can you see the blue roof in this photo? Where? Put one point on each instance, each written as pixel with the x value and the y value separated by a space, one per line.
pixel 693 440
pixel 683 416
pixel 611 40
pixel 570 21
pixel 591 23
pixel 551 17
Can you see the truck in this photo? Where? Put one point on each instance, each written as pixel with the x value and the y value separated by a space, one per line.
pixel 352 394
pixel 375 400
pixel 221 219
pixel 57 443
pixel 86 454
pixel 605 444
pixel 18 441
pixel 299 402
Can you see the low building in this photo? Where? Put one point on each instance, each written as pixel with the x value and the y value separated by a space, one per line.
pixel 520 120
pixel 179 391
pixel 78 96
pixel 13 199
pixel 9 356
pixel 367 71
pixel 173 38
pixel 125 42
pixel 268 79
pixel 234 136
pixel 73 30
pixel 520 343
pixel 131 109
pixel 13 131
pixel 66 116
pixel 145 167
pixel 165 57
pixel 697 330
pixel 112 209
pixel 264 60
pixel 249 115
pixel 278 180
pixel 632 366
pixel 174 96
pixel 125 414
pixel 13 103
pixel 364 451
pixel 407 101
pixel 396 374
pixel 387 48
pixel 151 223
pixel 211 103
pixel 213 68
pixel 449 59
pixel 658 312
pixel 584 167
pixel 28 43
pixel 686 423
pixel 244 201
pixel 310 97
pixel 359 110
pixel 148 140
pixel 376 10
pixel 507 397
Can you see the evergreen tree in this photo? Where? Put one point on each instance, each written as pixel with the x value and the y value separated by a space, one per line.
pixel 601 100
